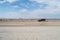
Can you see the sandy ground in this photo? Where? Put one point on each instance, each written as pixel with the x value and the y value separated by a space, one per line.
pixel 30 30
pixel 48 22
pixel 31 23
pixel 30 33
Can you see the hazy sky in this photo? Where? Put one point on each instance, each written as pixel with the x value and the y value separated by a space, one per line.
pixel 29 8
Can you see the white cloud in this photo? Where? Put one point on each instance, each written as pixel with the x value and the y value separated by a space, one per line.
pixel 53 6
pixel 51 3
pixel 16 6
pixel 15 14
pixel 44 13
pixel 10 15
pixel 24 13
pixel 23 10
pixel 11 1
pixel 2 1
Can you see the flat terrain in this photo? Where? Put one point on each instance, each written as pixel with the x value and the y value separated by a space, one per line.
pixel 30 33
pixel 30 30
pixel 25 22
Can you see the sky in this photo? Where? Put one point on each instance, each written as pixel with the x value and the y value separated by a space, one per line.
pixel 29 8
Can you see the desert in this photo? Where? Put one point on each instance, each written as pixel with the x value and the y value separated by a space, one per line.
pixel 30 22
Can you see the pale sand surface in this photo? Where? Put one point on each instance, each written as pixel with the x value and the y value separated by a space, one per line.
pixel 30 33
pixel 30 23
pixel 48 22
pixel 30 30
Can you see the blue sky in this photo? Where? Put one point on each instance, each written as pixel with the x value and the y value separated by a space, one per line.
pixel 29 8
